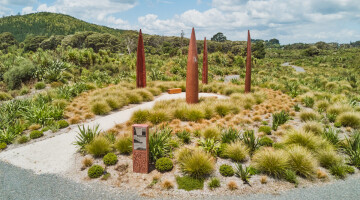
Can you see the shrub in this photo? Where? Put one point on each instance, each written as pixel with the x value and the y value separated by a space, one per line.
pixel 339 171
pixel 309 115
pixel 328 158
pixel 337 124
pixel 243 172
pixel 159 144
pixel 184 136
pixel 331 135
pixel 226 170
pixel 197 164
pixel 290 176
pixel 164 164
pixel 140 116
pixel 271 162
pixel 279 119
pixel 3 145
pixel 351 119
pixel 296 107
pixel 214 183
pixel 301 161
pixel 266 141
pixel 22 139
pixel 62 124
pixel 110 159
pixel 95 171
pixel 308 101
pixel 158 116
pixel 146 95
pixel 85 136
pixel 19 74
pixel 124 144
pixel 314 127
pixel 5 96
pixel 100 108
pixel 229 135
pixel 99 146
pixel 211 146
pixel 60 103
pixel 40 85
pixel 188 183
pixel 250 140
pixel 265 129
pixel 305 139
pixel 211 132
pixel 36 134
pixel 236 151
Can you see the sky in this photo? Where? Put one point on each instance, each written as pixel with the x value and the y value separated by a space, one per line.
pixel 290 21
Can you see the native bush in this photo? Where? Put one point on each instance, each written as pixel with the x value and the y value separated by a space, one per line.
pixel 226 170
pixel 210 145
pixel 271 162
pixel 229 135
pixel 62 124
pixel 123 144
pixel 248 137
pixel 197 164
pixel 158 116
pixel 306 139
pixel 214 183
pixel 3 145
pixel 164 164
pixel 110 159
pixel 290 176
pixel 308 101
pixel 279 119
pixel 339 171
pixel 140 116
pixel 266 141
pixel 86 135
pixel 331 135
pixel 211 132
pixel 100 108
pixel 159 144
pixel 95 171
pixel 40 85
pixel 36 134
pixel 243 172
pixel 352 148
pixel 184 136
pixel 99 146
pixel 5 96
pixel 236 151
pixel 327 158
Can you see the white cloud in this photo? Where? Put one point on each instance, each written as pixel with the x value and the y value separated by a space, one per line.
pixel 18 2
pixel 289 21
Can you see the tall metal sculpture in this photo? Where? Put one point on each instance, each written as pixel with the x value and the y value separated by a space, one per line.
pixel 192 72
pixel 205 64
pixel 140 64
pixel 248 65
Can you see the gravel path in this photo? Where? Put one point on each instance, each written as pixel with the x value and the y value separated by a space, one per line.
pixel 297 68
pixel 57 154
pixel 18 184
pixel 231 77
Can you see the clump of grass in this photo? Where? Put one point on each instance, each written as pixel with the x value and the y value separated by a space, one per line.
pixel 265 129
pixel 236 151
pixel 338 108
pixel 110 159
pixel 350 119
pixel 327 158
pixel 158 116
pixel 352 148
pixel 189 183
pixel 244 173
pixel 100 108
pixel 322 105
pixel 22 139
pixel 40 85
pixel 229 135
pixel 332 136
pixel 226 170
pixel 5 96
pixel 184 136
pixel 214 183
pixel 279 119
pixel 36 134
pixel 194 114
pixel 308 101
pixel 271 162
pixel 222 109
pixel 309 115
pixel 263 179
pixel 99 146
pixel 123 144
pixel 210 145
pixel 290 176
pixel 140 116
pixel 232 185
pixel 134 98
pixel 113 102
pixel 321 174
pixel 197 164
pixel 159 144
pixel 86 135
pixel 252 142
pixel 211 132
pixel 314 127
pixel 339 171
pixel 146 95
pixel 87 161
pixel 302 161
pixel 306 139
pixel 167 184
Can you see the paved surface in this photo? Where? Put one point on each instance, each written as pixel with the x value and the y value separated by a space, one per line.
pixel 20 184
pixel 297 68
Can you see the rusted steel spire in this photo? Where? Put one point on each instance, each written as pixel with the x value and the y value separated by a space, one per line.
pixel 192 72
pixel 140 63
pixel 205 65
pixel 248 65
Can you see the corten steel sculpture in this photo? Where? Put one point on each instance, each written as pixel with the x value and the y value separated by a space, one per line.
pixel 192 72
pixel 205 65
pixel 248 65
pixel 140 64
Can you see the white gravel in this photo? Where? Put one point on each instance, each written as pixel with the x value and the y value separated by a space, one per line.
pixel 57 154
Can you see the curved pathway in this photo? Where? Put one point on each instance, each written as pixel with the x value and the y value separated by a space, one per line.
pixel 57 154
pixel 297 68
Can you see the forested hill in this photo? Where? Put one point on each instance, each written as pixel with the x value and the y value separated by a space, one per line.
pixel 48 24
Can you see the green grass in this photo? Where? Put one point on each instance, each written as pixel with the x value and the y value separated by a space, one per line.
pixel 314 127
pixel 214 183
pixel 211 132
pixel 123 144
pixel 309 115
pixel 188 183
pixel 100 108
pixel 302 161
pixel 226 170
pixel 229 135
pixel 271 162
pixel 99 146
pixel 350 119
pixel 140 116
pixel 236 151
pixel 197 164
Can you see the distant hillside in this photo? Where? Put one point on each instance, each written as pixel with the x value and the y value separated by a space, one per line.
pixel 48 24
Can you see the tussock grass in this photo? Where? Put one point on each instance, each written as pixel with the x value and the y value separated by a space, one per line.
pixel 99 146
pixel 302 161
pixel 271 162
pixel 236 151
pixel 338 108
pixel 306 139
pixel 100 108
pixel 328 158
pixel 123 144
pixel 197 164
pixel 211 132
pixel 309 115
pixel 314 127
pixel 350 119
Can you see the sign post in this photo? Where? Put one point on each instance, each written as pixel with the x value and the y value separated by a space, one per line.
pixel 141 148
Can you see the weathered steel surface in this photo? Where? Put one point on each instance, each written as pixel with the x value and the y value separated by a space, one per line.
pixel 192 72
pixel 205 64
pixel 248 65
pixel 140 63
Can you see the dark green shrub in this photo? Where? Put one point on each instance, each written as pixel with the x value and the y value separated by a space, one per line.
pixel 308 101
pixel 184 136
pixel 337 124
pixel 62 124
pixel 339 171
pixel 3 145
pixel 265 129
pixel 229 135
pixel 36 134
pixel 22 139
pixel 214 183
pixel 110 159
pixel 296 108
pixel 19 74
pixel 95 171
pixel 188 183
pixel 40 85
pixel 164 164
pixel 159 144
pixel 226 170
pixel 266 141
